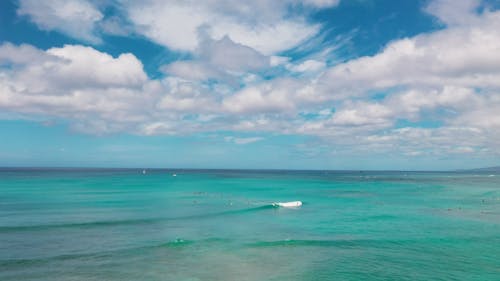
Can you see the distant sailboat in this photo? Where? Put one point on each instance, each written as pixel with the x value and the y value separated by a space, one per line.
pixel 143 172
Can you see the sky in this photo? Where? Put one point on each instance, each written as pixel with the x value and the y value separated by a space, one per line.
pixel 264 84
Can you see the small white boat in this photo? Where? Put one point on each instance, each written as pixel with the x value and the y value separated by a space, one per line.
pixel 143 172
pixel 292 204
pixel 174 175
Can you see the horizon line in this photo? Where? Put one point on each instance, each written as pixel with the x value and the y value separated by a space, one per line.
pixel 235 169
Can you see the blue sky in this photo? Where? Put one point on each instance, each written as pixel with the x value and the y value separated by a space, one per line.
pixel 293 84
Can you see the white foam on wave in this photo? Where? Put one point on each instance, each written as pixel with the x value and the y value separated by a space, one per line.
pixel 292 204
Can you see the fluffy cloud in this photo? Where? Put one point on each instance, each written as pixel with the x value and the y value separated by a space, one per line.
pixel 20 55
pixel 321 3
pixel 460 55
pixel 261 25
pixel 74 82
pixel 307 66
pixel 75 18
pixel 192 70
pixel 89 67
pixel 276 96
pixel 59 70
pixel 266 26
pixel 451 75
pixel 218 59
pixel 454 12
pixel 181 95
pixel 228 55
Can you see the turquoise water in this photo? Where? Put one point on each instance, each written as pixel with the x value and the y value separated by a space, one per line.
pixel 219 225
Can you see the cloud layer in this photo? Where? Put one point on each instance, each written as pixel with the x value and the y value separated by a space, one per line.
pixel 435 93
pixel 75 18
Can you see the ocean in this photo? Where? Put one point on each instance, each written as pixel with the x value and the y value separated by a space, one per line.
pixel 123 224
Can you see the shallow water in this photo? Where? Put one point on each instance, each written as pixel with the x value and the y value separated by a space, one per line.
pixel 219 225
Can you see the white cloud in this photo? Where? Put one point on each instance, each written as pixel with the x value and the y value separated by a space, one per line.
pixel 155 128
pixel 261 25
pixel 362 114
pixel 460 55
pixel 59 71
pixel 454 12
pixel 270 97
pixel 278 60
pixel 451 75
pixel 321 3
pixel 75 18
pixel 230 56
pixel 191 70
pixel 76 82
pixel 88 66
pixel 307 66
pixel 485 116
pixel 266 26
pixel 218 59
pixel 411 103
pixel 115 25
pixel 22 54
pixel 187 97
pixel 270 39
pixel 448 104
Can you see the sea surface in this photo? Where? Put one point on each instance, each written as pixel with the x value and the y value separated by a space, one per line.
pixel 91 224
